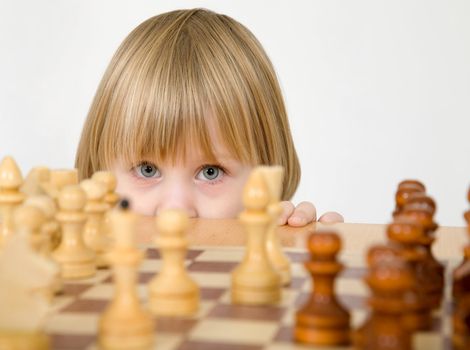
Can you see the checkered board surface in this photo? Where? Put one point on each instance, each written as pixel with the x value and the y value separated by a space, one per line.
pixel 219 324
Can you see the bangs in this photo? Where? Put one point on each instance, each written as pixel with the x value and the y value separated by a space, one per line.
pixel 170 92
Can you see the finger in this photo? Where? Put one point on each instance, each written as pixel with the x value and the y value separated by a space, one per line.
pixel 303 214
pixel 287 210
pixel 331 217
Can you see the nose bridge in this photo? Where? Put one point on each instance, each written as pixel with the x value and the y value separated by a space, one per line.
pixel 176 193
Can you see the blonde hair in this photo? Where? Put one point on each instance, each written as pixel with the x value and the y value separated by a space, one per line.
pixel 168 76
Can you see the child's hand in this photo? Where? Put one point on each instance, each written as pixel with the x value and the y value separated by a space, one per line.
pixel 303 214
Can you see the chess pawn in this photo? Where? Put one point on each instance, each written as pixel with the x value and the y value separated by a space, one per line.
pixel 405 236
pixel 432 269
pixel 461 274
pixel 173 292
pixel 10 196
pixel 74 257
pixel 273 176
pixel 254 280
pixel 94 235
pixel 388 280
pixel 108 179
pixel 323 320
pixel 404 191
pixel 125 324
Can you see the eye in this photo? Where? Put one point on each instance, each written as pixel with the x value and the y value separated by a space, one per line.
pixel 210 172
pixel 147 169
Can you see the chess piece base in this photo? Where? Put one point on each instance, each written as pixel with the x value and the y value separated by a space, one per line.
pixel 322 337
pixel 255 296
pixel 16 340
pixel 177 305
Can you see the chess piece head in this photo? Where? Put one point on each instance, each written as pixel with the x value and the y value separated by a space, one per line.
pixel 383 255
pixel 72 198
pixel 402 195
pixel 10 174
pixel 273 176
pixel 124 204
pixel 256 192
pixel 172 220
pixel 324 245
pixel 94 190
pixel 412 183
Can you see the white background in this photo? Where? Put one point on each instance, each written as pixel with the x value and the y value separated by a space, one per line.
pixel 377 91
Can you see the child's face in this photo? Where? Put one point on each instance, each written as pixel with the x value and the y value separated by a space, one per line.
pixel 200 187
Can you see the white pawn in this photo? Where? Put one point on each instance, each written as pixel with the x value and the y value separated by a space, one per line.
pixel 10 196
pixel 94 233
pixel 274 176
pixel 173 292
pixel 125 324
pixel 255 281
pixel 76 260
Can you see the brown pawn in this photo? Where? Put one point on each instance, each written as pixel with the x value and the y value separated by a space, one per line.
pixel 432 270
pixel 461 274
pixel 323 320
pixel 461 296
pixel 403 193
pixel 94 233
pixel 405 236
pixel 388 279
pixel 10 196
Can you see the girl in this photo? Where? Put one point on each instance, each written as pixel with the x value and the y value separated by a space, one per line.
pixel 189 104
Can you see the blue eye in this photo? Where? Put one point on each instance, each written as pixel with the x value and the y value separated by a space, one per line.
pixel 210 172
pixel 147 170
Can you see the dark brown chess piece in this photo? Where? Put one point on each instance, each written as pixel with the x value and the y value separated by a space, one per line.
pixel 388 279
pixel 461 296
pixel 405 235
pixel 431 270
pixel 404 191
pixel 323 320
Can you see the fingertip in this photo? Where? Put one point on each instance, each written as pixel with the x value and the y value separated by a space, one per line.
pixel 297 221
pixel 331 217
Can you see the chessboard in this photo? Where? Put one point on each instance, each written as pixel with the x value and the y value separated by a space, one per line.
pixel 220 325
